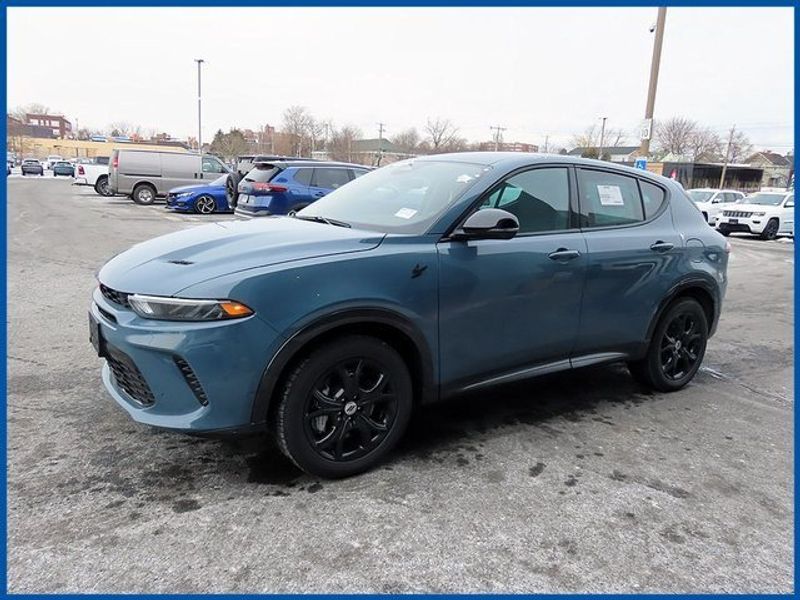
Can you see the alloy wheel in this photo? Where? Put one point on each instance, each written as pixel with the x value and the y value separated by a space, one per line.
pixel 681 346
pixel 351 410
pixel 205 205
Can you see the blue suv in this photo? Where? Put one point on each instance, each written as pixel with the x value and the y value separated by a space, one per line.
pixel 417 282
pixel 283 188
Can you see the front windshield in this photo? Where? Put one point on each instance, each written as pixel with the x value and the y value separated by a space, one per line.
pixel 404 197
pixel 219 181
pixel 700 196
pixel 767 199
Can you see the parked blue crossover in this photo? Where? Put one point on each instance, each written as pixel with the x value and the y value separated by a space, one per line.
pixel 416 282
pixel 204 199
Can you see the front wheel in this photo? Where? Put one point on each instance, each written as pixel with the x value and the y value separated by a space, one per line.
pixel 144 194
pixel 205 205
pixel 344 407
pixel 771 230
pixel 676 349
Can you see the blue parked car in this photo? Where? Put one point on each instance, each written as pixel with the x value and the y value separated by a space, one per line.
pixel 419 281
pixel 286 187
pixel 204 199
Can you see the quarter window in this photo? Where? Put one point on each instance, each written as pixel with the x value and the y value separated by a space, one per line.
pixel 609 199
pixel 538 198
pixel 330 179
pixel 653 198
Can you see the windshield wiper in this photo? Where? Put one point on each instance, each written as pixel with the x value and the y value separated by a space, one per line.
pixel 326 220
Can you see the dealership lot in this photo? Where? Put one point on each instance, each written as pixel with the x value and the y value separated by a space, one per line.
pixel 579 482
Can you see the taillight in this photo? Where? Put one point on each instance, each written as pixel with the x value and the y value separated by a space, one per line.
pixel 80 170
pixel 115 161
pixel 269 187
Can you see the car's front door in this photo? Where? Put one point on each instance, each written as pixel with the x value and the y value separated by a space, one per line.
pixel 508 307
pixel 787 218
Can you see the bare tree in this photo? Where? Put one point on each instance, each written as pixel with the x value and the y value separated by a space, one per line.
pixel 741 148
pixel 408 140
pixel 703 141
pixel 340 146
pixel 441 133
pixel 590 140
pixel 33 108
pixel 296 124
pixel 674 135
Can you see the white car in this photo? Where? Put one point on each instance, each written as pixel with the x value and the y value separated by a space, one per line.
pixel 51 160
pixel 711 202
pixel 94 174
pixel 767 214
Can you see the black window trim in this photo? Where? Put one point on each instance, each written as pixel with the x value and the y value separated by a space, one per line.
pixel 572 202
pixel 645 221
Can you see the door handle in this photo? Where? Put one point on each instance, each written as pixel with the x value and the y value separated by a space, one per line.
pixel 660 246
pixel 319 194
pixel 564 254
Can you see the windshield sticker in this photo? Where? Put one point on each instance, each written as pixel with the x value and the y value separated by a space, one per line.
pixel 610 195
pixel 464 178
pixel 405 213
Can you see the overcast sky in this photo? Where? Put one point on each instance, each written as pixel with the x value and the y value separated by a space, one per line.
pixel 535 71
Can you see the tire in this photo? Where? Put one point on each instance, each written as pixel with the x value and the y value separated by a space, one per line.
pixel 295 209
pixel 681 333
pixel 770 230
pixel 144 193
pixel 348 436
pixel 232 189
pixel 101 186
pixel 205 205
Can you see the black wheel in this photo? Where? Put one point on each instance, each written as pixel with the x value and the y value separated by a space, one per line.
pixel 344 407
pixel 144 193
pixel 232 190
pixel 771 230
pixel 295 209
pixel 101 186
pixel 676 349
pixel 205 205
pixel 724 230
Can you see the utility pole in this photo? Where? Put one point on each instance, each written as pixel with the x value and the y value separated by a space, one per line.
pixel 727 157
pixel 602 135
pixel 644 149
pixel 497 133
pixel 199 62
pixel 547 137
pixel 380 144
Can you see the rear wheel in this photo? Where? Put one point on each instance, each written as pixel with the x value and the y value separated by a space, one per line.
pixel 344 407
pixel 232 190
pixel 144 193
pixel 205 205
pixel 676 349
pixel 101 186
pixel 771 230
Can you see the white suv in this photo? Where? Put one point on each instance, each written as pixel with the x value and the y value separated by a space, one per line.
pixel 767 214
pixel 711 202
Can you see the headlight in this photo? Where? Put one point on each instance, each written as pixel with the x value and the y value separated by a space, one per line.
pixel 183 194
pixel 759 214
pixel 187 309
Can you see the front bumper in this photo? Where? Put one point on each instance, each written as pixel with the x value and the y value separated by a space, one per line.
pixel 225 359
pixel 180 203
pixel 753 225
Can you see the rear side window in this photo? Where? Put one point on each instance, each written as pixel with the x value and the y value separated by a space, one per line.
pixel 608 199
pixel 303 176
pixel 262 174
pixel 330 179
pixel 358 172
pixel 652 197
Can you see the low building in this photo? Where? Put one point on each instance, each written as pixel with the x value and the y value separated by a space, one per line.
pixel 777 169
pixel 508 147
pixel 57 124
pixel 617 154
pixel 691 174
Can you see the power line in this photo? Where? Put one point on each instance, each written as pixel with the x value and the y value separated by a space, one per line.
pixel 497 133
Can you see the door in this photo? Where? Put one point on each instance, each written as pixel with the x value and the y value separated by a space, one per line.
pixel 327 179
pixel 508 305
pixel 178 169
pixel 635 256
pixel 787 216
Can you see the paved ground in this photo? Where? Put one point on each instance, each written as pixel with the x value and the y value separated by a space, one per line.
pixel 577 482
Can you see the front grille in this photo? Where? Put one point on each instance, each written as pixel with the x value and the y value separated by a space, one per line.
pixel 114 296
pixel 737 213
pixel 127 375
pixel 192 381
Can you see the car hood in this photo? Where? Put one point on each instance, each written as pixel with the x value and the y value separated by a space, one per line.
pixel 752 207
pixel 195 188
pixel 165 265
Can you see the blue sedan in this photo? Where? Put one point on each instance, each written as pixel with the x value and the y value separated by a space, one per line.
pixel 203 199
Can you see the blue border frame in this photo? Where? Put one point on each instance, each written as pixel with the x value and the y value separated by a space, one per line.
pixel 365 3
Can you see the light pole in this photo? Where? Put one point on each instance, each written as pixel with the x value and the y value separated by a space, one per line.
pixel 644 149
pixel 199 62
pixel 602 135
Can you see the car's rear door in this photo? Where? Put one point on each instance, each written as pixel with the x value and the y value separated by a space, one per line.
pixel 635 256
pixel 327 179
pixel 509 307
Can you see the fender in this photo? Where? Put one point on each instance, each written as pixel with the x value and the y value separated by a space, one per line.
pixel 705 283
pixel 344 317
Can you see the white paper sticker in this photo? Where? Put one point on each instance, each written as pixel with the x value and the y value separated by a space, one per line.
pixel 610 195
pixel 464 178
pixel 405 213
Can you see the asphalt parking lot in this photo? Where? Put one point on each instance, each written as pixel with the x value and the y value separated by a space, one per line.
pixel 580 482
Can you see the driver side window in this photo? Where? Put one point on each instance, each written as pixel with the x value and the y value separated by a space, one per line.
pixel 539 198
pixel 789 202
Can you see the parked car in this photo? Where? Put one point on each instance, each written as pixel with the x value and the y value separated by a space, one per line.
pixel 31 166
pixel 52 160
pixel 94 174
pixel 147 174
pixel 283 188
pixel 711 201
pixel 202 199
pixel 63 167
pixel 416 282
pixel 766 214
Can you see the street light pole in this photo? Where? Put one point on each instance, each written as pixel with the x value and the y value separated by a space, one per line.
pixel 199 62
pixel 644 150
pixel 602 135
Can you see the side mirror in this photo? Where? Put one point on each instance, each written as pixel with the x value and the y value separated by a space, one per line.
pixel 488 224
